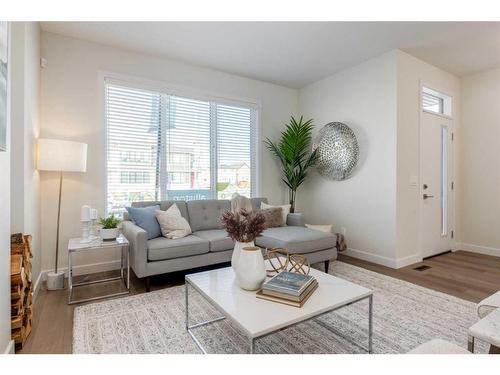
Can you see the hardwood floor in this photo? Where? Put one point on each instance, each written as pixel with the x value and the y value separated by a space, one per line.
pixel 465 275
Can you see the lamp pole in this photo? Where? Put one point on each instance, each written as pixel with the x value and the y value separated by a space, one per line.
pixel 58 218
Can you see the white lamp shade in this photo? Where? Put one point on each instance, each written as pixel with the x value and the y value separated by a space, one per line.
pixel 64 156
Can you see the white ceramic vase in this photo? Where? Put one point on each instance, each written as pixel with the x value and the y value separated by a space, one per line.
pixel 109 234
pixel 237 250
pixel 250 269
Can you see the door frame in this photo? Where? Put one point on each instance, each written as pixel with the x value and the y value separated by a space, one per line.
pixel 452 174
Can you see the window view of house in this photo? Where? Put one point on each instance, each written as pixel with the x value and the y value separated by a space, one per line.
pixel 162 146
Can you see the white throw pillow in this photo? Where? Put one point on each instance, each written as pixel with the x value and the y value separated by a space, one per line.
pixel 321 228
pixel 285 209
pixel 172 224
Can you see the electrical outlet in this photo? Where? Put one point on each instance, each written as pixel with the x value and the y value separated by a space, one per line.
pixel 343 230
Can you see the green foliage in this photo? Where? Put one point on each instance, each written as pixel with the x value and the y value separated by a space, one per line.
pixel 110 222
pixel 295 154
pixel 221 186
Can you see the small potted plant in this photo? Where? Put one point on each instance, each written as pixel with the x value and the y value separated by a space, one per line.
pixel 109 230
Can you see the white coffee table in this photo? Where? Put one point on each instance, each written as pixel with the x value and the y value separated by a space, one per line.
pixel 487 329
pixel 258 318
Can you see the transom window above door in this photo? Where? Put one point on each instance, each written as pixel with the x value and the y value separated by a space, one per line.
pixel 436 102
pixel 162 146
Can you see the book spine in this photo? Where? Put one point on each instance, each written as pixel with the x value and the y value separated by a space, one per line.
pixel 289 291
pixel 290 297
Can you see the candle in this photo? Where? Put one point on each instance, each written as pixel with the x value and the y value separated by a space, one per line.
pixel 93 214
pixel 85 214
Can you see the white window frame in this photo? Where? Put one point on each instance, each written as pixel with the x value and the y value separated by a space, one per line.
pixel 447 101
pixel 105 77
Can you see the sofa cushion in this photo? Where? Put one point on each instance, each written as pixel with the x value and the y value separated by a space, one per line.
pixel 256 203
pixel 205 214
pixel 172 224
pixel 296 239
pixel 162 248
pixel 165 205
pixel 274 217
pixel 285 210
pixel 145 217
pixel 218 238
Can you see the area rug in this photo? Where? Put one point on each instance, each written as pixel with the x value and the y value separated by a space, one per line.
pixel 405 315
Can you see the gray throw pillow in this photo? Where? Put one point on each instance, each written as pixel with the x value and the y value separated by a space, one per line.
pixel 145 217
pixel 274 217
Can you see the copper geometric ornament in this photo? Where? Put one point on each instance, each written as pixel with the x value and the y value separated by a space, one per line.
pixel 299 264
pixel 278 259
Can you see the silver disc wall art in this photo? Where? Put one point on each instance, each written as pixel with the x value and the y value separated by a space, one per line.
pixel 338 151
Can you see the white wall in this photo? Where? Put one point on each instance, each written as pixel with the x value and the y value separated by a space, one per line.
pixel 479 208
pixel 25 180
pixel 71 109
pixel 411 73
pixel 5 239
pixel 379 205
pixel 363 97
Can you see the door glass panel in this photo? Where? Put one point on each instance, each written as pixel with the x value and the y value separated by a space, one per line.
pixel 444 181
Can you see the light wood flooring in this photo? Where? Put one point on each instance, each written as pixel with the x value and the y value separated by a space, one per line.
pixel 463 274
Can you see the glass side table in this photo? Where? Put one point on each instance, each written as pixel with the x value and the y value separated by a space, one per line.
pixel 75 246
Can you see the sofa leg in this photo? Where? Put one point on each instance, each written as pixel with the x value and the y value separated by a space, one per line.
pixel 148 284
pixel 327 264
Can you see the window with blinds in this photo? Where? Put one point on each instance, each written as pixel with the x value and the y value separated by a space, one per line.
pixel 436 102
pixel 162 146
pixel 432 103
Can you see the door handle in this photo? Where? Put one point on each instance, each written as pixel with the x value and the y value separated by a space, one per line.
pixel 427 196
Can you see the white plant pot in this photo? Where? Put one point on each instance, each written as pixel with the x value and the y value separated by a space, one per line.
pixel 237 250
pixel 250 269
pixel 109 234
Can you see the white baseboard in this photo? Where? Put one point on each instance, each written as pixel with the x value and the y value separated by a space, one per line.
pixel 85 269
pixel 10 348
pixel 406 261
pixel 478 249
pixel 37 285
pixel 370 257
pixel 383 261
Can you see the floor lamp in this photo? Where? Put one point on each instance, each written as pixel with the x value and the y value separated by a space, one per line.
pixel 60 156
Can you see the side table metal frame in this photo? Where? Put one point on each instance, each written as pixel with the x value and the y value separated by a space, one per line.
pixel 124 274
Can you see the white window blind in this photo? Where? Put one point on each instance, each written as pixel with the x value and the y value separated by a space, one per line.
pixel 162 146
pixel 432 103
pixel 132 118
pixel 234 151
pixel 436 102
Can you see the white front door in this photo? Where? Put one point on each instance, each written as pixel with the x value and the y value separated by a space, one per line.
pixel 436 184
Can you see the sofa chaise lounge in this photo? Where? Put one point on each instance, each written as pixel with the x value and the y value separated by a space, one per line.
pixel 209 243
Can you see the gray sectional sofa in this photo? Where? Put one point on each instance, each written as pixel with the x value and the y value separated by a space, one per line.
pixel 209 243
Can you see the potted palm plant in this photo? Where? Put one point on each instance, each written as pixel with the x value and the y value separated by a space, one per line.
pixel 294 151
pixel 109 227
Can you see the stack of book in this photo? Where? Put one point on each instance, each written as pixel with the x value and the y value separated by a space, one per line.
pixel 289 288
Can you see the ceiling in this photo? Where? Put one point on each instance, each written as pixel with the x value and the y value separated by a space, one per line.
pixel 295 54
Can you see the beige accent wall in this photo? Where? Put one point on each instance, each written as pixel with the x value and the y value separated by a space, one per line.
pixel 71 109
pixel 479 208
pixel 364 97
pixel 411 74
pixel 378 207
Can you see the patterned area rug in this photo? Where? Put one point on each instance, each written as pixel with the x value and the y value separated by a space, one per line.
pixel 405 315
